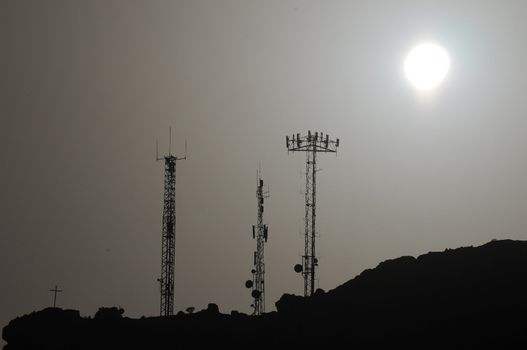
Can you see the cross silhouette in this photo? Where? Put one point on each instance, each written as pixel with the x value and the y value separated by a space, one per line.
pixel 55 291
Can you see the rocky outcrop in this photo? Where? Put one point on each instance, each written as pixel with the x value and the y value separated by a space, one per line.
pixel 466 297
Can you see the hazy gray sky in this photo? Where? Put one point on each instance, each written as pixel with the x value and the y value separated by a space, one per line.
pixel 86 87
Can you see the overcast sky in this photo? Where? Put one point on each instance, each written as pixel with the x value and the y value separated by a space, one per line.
pixel 86 88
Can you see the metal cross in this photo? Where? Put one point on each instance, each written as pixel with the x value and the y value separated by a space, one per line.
pixel 55 291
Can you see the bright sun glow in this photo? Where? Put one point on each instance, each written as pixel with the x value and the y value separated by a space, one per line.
pixel 426 66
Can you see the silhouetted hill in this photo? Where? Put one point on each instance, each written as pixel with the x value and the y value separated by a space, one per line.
pixel 466 297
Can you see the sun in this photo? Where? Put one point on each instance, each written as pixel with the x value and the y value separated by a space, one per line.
pixel 426 66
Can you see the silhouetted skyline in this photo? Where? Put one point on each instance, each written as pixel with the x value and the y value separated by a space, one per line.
pixel 465 297
pixel 88 86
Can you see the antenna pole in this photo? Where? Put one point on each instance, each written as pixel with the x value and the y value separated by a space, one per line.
pixel 170 141
pixel 168 245
pixel 311 144
pixel 260 231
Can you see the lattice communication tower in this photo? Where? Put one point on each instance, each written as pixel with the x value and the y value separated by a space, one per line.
pixel 311 144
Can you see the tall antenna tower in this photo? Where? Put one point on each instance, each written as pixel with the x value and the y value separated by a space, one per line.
pixel 260 234
pixel 168 250
pixel 311 144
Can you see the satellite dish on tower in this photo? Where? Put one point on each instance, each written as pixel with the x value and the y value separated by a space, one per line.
pixel 298 268
pixel 248 284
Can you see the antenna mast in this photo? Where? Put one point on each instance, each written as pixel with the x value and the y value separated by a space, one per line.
pixel 260 234
pixel 311 144
pixel 168 246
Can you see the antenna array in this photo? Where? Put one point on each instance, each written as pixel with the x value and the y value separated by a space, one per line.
pixel 311 144
pixel 260 233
